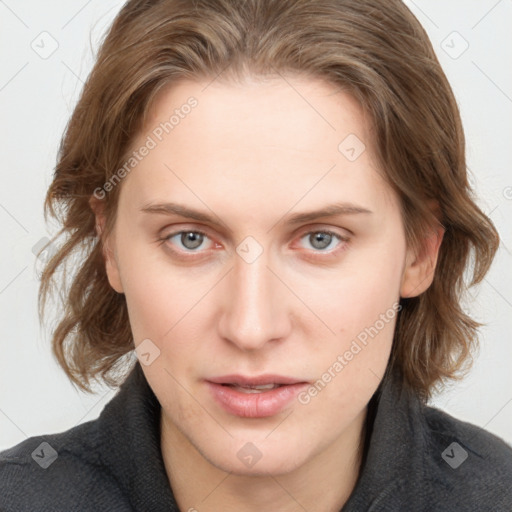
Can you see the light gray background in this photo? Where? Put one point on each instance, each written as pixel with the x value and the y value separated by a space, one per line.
pixel 37 94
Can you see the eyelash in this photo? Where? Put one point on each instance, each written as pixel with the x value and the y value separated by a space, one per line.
pixel 315 253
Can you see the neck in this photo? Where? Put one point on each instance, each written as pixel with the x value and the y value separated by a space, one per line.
pixel 323 483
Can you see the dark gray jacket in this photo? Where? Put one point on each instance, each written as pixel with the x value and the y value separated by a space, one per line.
pixel 419 459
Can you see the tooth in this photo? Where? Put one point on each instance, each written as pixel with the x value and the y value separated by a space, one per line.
pixel 255 389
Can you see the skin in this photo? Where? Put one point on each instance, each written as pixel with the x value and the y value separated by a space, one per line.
pixel 251 155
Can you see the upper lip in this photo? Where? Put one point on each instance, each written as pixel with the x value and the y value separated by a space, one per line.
pixel 256 380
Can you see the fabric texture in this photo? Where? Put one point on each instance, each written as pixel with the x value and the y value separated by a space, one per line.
pixel 418 458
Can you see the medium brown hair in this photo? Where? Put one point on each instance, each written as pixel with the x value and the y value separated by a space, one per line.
pixel 374 49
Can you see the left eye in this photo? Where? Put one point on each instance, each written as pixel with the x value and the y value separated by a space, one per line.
pixel 321 240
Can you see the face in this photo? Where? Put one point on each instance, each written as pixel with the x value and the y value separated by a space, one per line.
pixel 288 271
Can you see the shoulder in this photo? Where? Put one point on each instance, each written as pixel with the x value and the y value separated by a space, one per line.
pixel 60 471
pixel 467 466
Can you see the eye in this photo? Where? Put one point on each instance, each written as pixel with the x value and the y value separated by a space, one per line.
pixel 323 240
pixel 190 240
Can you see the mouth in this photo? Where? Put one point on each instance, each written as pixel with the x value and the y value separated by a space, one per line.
pixel 254 397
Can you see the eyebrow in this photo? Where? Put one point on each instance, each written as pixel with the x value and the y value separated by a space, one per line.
pixel 331 210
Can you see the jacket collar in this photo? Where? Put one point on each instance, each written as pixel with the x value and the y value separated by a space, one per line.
pixel 130 429
pixel 393 474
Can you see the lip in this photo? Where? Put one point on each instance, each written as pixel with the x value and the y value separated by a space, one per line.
pixel 254 405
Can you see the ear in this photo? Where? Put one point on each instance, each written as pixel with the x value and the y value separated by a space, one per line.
pixel 108 244
pixel 420 264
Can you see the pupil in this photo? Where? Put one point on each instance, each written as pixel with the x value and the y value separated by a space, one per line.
pixel 191 240
pixel 324 240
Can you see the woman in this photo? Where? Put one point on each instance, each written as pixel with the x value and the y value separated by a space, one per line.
pixel 270 203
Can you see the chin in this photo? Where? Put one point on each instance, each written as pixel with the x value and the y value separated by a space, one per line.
pixel 260 458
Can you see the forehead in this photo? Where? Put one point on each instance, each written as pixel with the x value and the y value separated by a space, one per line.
pixel 295 112
pixel 280 139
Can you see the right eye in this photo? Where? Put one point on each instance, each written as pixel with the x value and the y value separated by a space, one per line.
pixel 190 240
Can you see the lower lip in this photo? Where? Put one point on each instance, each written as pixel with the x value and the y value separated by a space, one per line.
pixel 255 405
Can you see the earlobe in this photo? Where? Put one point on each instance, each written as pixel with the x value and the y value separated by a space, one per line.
pixel 108 246
pixel 420 265
pixel 112 270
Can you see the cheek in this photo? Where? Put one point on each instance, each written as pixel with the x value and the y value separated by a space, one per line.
pixel 166 304
pixel 364 286
pixel 154 297
pixel 360 304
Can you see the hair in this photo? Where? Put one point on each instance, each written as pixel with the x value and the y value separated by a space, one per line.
pixel 377 51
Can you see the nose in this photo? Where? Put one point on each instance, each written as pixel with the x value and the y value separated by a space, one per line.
pixel 255 310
